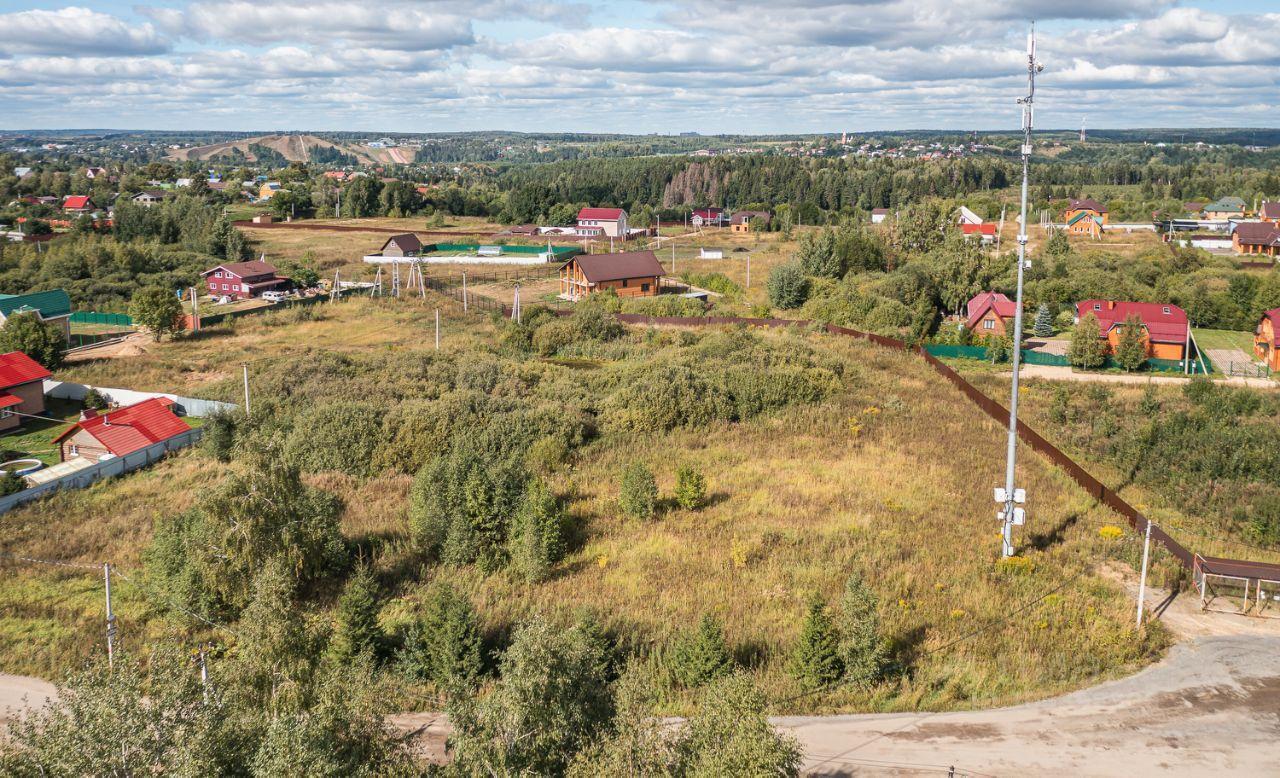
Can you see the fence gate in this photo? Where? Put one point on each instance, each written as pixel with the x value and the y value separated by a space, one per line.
pixel 1248 370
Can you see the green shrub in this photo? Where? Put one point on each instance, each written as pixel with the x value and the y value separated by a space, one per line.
pixel 862 647
pixel 460 505
pixel 638 495
pixel 41 340
pixel 342 436
pixel 1131 350
pixel 218 436
pixel 11 483
pixel 553 336
pixel 691 488
pixel 1087 350
pixel 95 400
pixel 701 655
pixel 663 397
pixel 788 286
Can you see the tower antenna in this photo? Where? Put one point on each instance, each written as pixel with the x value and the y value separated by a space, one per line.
pixel 1010 497
pixel 1082 135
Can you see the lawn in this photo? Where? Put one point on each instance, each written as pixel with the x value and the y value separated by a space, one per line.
pixel 890 477
pixel 1224 339
pixel 34 438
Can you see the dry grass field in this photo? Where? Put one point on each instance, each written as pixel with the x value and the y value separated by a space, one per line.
pixel 890 477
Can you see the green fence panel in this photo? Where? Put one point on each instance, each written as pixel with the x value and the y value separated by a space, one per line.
pixel 93 317
pixel 956 352
pixel 1041 358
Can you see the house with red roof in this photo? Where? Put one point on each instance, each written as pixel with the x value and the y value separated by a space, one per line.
pixel 1266 339
pixel 990 313
pixel 121 431
pixel 21 388
pixel 985 232
pixel 602 222
pixel 706 217
pixel 242 280
pixel 78 204
pixel 1166 328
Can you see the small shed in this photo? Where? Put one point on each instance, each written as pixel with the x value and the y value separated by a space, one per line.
pixel 402 245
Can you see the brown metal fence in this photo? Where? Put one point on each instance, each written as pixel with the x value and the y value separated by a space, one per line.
pixel 1098 490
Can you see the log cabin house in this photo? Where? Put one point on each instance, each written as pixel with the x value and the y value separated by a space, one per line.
pixel 1166 327
pixel 629 274
pixel 1266 339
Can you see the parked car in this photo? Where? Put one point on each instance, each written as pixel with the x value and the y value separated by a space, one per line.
pixel 273 296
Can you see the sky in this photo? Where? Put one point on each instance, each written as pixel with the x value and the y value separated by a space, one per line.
pixel 710 66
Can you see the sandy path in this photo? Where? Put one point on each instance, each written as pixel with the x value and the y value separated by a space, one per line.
pixel 1063 373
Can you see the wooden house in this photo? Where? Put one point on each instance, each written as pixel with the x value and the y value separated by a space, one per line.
pixel 1266 339
pixel 629 274
pixel 1256 238
pixel 1166 329
pixel 1086 217
pixel 747 221
pixel 403 245
pixel 990 313
pixel 242 280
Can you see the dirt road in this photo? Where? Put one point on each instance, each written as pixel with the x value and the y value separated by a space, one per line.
pixel 1058 373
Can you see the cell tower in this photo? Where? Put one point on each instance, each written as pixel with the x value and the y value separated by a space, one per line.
pixel 1010 497
pixel 1082 135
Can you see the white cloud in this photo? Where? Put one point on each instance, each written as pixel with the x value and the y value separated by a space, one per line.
pixel 75 32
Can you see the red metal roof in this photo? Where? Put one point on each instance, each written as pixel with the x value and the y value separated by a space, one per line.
pixel 980 229
pixel 132 428
pixel 1162 327
pixel 76 201
pixel 8 400
pixel 985 301
pixel 1270 210
pixel 1257 234
pixel 600 214
pixel 17 368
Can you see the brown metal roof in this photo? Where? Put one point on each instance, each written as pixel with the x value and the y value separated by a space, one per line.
pixel 615 267
pixel 1238 567
pixel 406 241
pixel 253 267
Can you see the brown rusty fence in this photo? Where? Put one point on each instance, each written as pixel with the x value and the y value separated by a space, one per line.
pixel 1098 490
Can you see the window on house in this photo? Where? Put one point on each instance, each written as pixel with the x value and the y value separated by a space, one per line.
pixel 74 449
pixel 625 282
pixel 5 413
pixel 1097 307
pixel 644 287
pixel 988 324
pixel 1166 309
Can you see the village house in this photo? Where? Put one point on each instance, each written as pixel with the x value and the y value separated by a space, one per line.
pixel 95 172
pixel 1256 238
pixel 120 432
pixel 243 280
pixel 748 221
pixel 966 216
pixel 78 204
pixel 1266 339
pixel 404 245
pixel 629 274
pixel 607 222
pixel 879 214
pixel 149 197
pixel 704 217
pixel 990 314
pixel 986 233
pixel 1225 208
pixel 1166 327
pixel 1270 212
pixel 1085 217
pixel 53 306
pixel 269 190
pixel 21 388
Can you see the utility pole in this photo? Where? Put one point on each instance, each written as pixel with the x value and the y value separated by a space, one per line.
pixel 1013 515
pixel 748 271
pixel 515 305
pixel 204 674
pixel 195 310
pixel 437 329
pixel 1142 583
pixel 245 367
pixel 111 618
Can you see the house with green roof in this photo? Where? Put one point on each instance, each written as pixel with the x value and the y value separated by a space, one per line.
pixel 53 305
pixel 1224 208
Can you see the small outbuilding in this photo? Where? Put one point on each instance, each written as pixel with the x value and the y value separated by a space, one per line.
pixel 629 274
pixel 404 245
pixel 120 432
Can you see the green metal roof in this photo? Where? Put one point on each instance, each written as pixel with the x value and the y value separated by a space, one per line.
pixel 54 302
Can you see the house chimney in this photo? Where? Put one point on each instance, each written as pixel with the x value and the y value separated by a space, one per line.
pixel 1111 305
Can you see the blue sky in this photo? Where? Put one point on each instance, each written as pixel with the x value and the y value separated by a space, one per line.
pixel 749 66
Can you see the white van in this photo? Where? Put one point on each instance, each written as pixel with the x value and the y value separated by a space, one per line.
pixel 273 296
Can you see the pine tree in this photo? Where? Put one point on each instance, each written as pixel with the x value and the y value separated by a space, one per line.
pixel 445 646
pixel 1044 321
pixel 536 541
pixel 357 629
pixel 639 493
pixel 862 648
pixel 691 488
pixel 701 655
pixel 816 661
